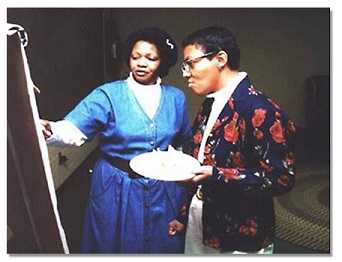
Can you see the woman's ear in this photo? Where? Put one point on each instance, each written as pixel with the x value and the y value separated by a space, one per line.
pixel 222 59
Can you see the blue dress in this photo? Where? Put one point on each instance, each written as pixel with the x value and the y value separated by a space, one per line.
pixel 127 215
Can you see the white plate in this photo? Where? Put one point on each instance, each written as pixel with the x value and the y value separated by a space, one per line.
pixel 169 165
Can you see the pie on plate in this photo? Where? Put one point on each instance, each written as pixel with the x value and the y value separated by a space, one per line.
pixel 171 165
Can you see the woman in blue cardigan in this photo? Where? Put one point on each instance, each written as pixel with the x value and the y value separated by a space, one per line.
pixel 128 213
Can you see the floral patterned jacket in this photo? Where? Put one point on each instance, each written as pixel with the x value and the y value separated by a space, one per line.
pixel 251 148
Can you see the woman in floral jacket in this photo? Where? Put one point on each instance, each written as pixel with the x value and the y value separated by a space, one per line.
pixel 245 144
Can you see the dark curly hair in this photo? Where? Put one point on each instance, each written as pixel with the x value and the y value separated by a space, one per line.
pixel 165 44
pixel 214 39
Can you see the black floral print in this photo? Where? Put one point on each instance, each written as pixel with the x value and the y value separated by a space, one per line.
pixel 251 149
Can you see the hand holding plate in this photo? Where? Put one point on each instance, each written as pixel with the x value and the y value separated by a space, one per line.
pixel 201 173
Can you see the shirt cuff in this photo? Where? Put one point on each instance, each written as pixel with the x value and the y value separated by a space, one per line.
pixel 65 133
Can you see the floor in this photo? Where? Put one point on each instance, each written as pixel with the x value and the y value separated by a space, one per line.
pixel 286 248
pixel 313 156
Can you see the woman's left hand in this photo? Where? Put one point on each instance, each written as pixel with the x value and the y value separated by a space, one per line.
pixel 46 128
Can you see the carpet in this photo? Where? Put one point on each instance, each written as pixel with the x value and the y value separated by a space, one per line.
pixel 303 214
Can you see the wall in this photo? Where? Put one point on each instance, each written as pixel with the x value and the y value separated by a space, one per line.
pixel 70 52
pixel 65 54
pixel 280 47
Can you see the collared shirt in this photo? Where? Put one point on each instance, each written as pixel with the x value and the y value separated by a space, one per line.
pixel 221 97
pixel 148 96
pixel 194 238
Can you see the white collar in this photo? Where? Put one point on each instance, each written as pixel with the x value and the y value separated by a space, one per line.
pixel 136 86
pixel 225 92
pixel 221 97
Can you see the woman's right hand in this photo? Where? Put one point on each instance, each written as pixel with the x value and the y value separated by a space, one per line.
pixel 175 227
pixel 201 174
pixel 46 128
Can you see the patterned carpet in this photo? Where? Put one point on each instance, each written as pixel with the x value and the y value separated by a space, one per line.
pixel 303 215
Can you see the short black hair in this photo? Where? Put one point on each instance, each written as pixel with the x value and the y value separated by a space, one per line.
pixel 162 40
pixel 214 39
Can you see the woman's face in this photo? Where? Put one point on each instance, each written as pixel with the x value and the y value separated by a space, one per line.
pixel 144 62
pixel 201 73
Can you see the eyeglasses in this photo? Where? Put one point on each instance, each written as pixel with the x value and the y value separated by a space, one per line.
pixel 187 65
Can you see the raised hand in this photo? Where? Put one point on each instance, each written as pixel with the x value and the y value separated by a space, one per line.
pixel 46 128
